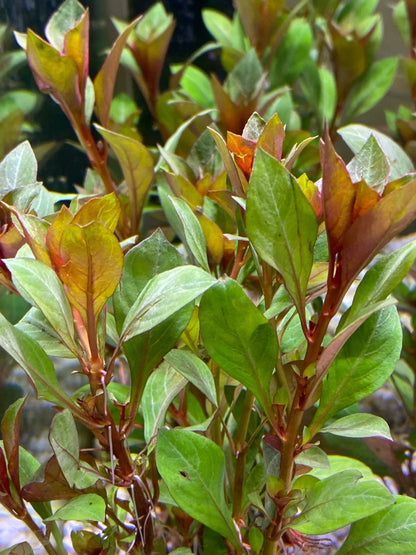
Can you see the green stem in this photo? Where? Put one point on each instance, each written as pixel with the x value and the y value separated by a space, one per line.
pixel 271 546
pixel 241 452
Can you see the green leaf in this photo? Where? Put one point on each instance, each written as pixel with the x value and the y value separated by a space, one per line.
pixel 338 464
pixel 161 388
pixel 63 438
pixel 40 286
pixel 313 457
pixel 164 295
pixel 362 365
pixel 359 425
pixel 371 165
pixel 89 506
pixel 63 20
pixel 278 209
pixel 356 135
pixel 380 281
pixel 371 88
pixel 18 168
pixel 389 532
pixel 292 54
pixel 238 337
pixel 197 86
pixel 192 233
pixel 193 468
pixel 35 325
pixel 195 371
pixel 33 359
pixel 243 81
pixel 220 27
pixel 144 261
pixel 340 500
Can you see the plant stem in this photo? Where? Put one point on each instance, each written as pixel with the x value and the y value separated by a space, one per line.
pixel 30 523
pixel 241 452
pixel 97 159
pixel 271 546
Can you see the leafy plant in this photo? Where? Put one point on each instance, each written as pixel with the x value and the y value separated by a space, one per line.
pixel 214 368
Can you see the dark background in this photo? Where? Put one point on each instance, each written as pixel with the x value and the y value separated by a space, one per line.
pixel 67 166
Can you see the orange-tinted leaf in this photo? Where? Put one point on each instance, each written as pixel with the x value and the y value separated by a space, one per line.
pixel 33 230
pixel 213 237
pixel 93 262
pixel 54 234
pixel 238 181
pixel 225 200
pixel 369 233
pixel 76 46
pixel 106 77
pixel 204 185
pixel 365 198
pixel 312 193
pixel 10 242
pixel 55 74
pixel 396 184
pixel 137 165
pixel 183 188
pixel 272 137
pixel 243 150
pixel 103 210
pixel 338 195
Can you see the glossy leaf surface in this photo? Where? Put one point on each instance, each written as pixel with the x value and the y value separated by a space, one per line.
pixel 194 370
pixel 89 506
pixel 191 231
pixel 362 365
pixel 40 286
pixel 278 209
pixel 193 468
pixel 164 295
pixel 18 168
pixel 246 348
pixel 340 500
pixel 33 359
pixel 161 388
pixel 359 425
pixel 390 531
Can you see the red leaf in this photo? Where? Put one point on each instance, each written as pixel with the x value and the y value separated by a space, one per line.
pixel 10 432
pixel 106 77
pixel 338 195
pixel 372 231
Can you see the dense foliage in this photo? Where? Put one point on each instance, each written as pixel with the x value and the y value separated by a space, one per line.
pixel 222 293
